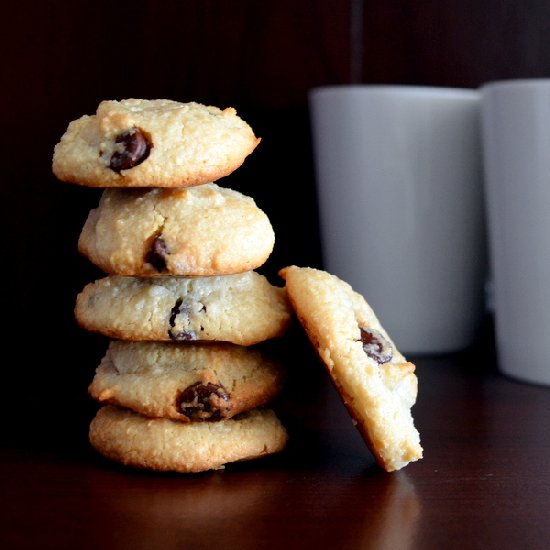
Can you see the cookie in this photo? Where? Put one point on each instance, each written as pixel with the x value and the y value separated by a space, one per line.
pixel 152 143
pixel 166 445
pixel 243 309
pixel 199 231
pixel 376 383
pixel 186 382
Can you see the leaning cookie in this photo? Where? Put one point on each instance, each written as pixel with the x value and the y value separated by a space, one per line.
pixel 186 382
pixel 152 143
pixel 376 383
pixel 199 231
pixel 166 445
pixel 243 309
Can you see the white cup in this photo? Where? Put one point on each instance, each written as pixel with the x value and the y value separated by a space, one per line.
pixel 400 193
pixel 516 143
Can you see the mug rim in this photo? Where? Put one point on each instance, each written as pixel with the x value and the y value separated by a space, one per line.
pixel 408 89
pixel 516 83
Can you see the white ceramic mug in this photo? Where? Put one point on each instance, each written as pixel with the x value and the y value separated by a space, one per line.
pixel 400 193
pixel 516 142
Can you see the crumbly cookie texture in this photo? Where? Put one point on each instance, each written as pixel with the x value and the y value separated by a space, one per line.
pixel 152 143
pixel 376 383
pixel 199 231
pixel 186 382
pixel 244 309
pixel 166 445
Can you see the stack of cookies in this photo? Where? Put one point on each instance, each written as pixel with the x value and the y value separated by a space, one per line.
pixel 185 384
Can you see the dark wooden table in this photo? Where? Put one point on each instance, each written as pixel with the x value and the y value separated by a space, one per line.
pixel 484 481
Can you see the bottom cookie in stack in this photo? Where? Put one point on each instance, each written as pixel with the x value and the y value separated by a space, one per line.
pixel 166 445
pixel 186 407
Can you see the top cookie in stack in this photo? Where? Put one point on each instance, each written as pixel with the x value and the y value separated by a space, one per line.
pixel 152 143
pixel 180 254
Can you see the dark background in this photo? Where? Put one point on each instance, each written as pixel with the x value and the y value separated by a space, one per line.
pixel 60 59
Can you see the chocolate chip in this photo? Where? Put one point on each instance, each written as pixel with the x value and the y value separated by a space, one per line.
pixel 179 335
pixel 376 346
pixel 182 336
pixel 157 254
pixel 202 401
pixel 174 312
pixel 135 149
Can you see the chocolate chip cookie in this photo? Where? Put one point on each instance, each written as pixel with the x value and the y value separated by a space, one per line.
pixel 166 445
pixel 198 231
pixel 243 309
pixel 189 382
pixel 152 143
pixel 376 383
